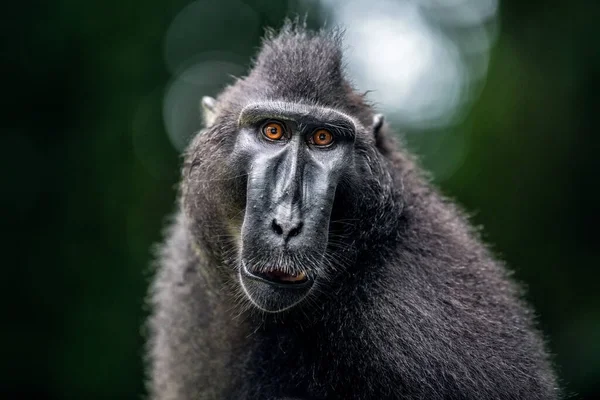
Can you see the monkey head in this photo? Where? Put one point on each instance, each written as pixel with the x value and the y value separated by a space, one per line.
pixel 280 186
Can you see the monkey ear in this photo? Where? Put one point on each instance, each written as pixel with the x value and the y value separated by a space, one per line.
pixel 209 107
pixel 378 120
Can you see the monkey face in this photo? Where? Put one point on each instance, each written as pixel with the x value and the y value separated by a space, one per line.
pixel 276 196
pixel 293 157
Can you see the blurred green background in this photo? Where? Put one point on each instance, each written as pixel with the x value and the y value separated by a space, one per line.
pixel 90 174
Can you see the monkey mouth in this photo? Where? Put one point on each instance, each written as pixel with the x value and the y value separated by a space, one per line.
pixel 278 277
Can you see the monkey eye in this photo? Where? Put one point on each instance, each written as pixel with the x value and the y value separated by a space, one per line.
pixel 322 137
pixel 273 131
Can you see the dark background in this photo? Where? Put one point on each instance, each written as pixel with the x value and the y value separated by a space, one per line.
pixel 89 177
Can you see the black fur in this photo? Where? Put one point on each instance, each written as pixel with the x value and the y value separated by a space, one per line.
pixel 413 306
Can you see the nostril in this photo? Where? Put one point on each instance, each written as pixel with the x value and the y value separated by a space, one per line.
pixel 286 230
pixel 278 230
pixel 296 230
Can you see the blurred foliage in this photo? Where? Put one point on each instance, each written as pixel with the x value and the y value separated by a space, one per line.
pixel 90 175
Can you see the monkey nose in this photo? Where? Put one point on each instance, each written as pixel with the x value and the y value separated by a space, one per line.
pixel 286 229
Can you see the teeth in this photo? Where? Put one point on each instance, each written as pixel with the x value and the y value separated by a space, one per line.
pixel 294 278
pixel 285 277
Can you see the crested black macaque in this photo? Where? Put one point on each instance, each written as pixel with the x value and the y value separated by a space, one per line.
pixel 310 258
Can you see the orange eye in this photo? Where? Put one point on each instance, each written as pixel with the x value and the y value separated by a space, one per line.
pixel 273 131
pixel 322 137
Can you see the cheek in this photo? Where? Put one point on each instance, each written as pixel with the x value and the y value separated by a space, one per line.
pixel 236 190
pixel 229 178
pixel 215 192
pixel 234 232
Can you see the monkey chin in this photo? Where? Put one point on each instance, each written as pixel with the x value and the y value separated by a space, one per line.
pixel 274 291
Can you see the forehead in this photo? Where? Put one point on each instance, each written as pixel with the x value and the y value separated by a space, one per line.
pixel 256 112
